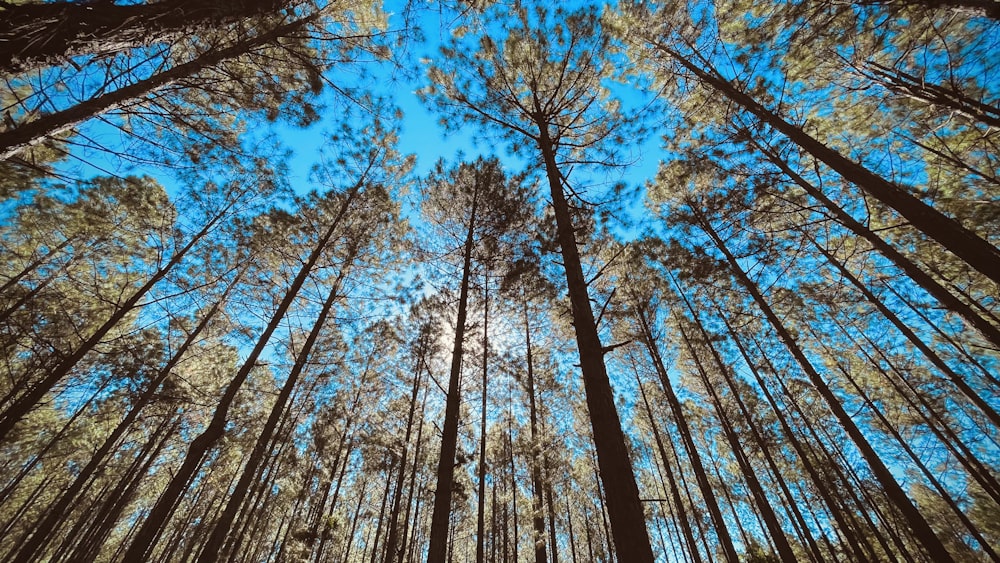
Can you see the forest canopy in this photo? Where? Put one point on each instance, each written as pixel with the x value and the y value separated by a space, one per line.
pixel 299 280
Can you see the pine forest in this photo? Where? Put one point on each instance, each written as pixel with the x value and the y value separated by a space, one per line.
pixel 499 281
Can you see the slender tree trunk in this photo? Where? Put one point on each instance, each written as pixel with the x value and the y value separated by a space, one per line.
pixel 481 515
pixel 392 551
pixel 921 466
pixel 412 488
pixel 694 458
pixel 441 517
pixel 211 551
pixel 911 269
pixel 59 509
pixel 33 132
pixel 675 494
pixel 784 548
pixel 917 342
pixel 200 446
pixel 922 531
pixel 947 232
pixel 763 503
pixel 537 514
pixel 26 402
pixel 381 512
pixel 817 480
pixel 628 519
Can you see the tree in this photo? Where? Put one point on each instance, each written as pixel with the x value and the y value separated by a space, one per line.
pixel 541 84
pixel 475 200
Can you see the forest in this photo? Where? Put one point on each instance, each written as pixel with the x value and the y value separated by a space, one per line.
pixel 491 281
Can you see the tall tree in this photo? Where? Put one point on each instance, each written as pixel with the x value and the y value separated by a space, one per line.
pixel 540 83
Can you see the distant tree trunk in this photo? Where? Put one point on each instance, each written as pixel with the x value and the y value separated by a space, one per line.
pixel 694 458
pixel 211 550
pixel 26 402
pixel 33 132
pixel 441 517
pixel 817 480
pixel 35 35
pixel 915 272
pixel 917 342
pixel 947 232
pixel 628 519
pixel 919 526
pixel 381 513
pixel 551 512
pixel 935 482
pixel 515 545
pixel 481 515
pixel 406 541
pixel 675 494
pixel 725 371
pixel 764 505
pixel 537 510
pixel 145 538
pixel 87 546
pixel 392 551
pixel 44 529
pixel 354 520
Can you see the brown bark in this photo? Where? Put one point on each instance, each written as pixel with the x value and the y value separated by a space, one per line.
pixel 628 520
pixel 441 517
pixel 917 342
pixel 35 35
pixel 946 231
pixel 392 553
pixel 481 512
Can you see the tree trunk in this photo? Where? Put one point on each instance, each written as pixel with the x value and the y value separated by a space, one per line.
pixel 675 494
pixel 915 272
pixel 917 342
pixel 763 503
pixel 919 526
pixel 31 133
pixel 694 458
pixel 481 513
pixel 947 232
pixel 59 509
pixel 36 35
pixel 817 480
pixel 211 551
pixel 906 84
pixel 26 402
pixel 200 446
pixel 537 511
pixel 441 517
pixel 628 519
pixel 392 535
